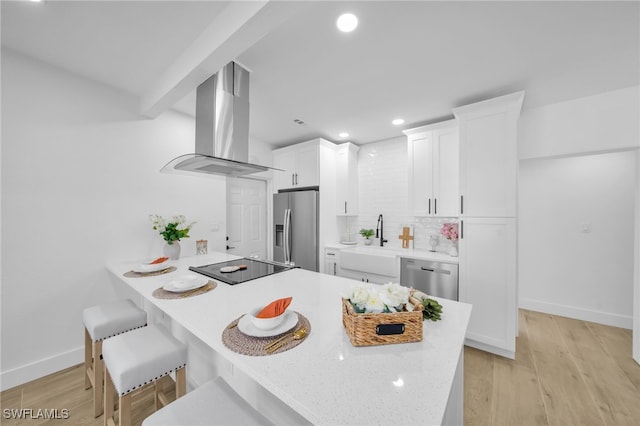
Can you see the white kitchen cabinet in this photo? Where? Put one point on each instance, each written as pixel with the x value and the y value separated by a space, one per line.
pixel 331 261
pixel 433 169
pixel 301 165
pixel 347 179
pixel 488 236
pixel 488 281
pixel 488 160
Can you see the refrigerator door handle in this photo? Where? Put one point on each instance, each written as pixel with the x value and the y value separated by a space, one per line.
pixel 289 239
pixel 285 229
pixel 287 236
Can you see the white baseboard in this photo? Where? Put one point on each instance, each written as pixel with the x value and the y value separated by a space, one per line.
pixel 38 369
pixel 606 318
pixel 489 348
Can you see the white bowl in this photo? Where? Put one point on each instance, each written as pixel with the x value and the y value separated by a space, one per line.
pixel 265 323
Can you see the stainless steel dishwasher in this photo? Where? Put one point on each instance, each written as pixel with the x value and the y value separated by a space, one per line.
pixel 433 278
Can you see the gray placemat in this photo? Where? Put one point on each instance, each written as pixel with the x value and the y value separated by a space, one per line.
pixel 238 342
pixel 160 293
pixel 133 274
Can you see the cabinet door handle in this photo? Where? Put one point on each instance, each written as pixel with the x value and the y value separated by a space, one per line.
pixel 429 205
pixel 296 178
pixel 334 269
pixel 461 229
pixel 345 207
pixel 435 206
pixel 462 204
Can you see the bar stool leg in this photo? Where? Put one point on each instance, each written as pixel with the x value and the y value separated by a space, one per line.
pixel 158 394
pixel 109 391
pixel 181 382
pixel 124 410
pixel 98 378
pixel 88 356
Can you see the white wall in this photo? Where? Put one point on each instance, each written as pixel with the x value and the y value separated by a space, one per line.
pixel 553 141
pixel 599 123
pixel 79 177
pixel 562 269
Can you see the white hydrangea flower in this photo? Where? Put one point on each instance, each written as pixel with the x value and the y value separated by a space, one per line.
pixel 359 296
pixel 374 305
pixel 394 295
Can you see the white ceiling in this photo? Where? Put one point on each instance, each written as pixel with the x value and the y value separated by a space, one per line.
pixel 414 60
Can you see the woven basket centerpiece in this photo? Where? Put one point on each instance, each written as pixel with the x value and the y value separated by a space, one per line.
pixel 368 329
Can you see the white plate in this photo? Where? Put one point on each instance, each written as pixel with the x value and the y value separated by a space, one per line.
pixel 288 322
pixel 146 268
pixel 185 283
pixel 349 243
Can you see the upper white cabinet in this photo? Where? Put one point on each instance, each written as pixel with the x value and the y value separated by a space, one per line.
pixel 488 160
pixel 347 179
pixel 433 169
pixel 301 165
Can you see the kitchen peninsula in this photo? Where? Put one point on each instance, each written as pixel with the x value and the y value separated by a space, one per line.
pixel 324 380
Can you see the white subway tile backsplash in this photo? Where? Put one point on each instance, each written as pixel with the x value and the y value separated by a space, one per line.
pixel 384 189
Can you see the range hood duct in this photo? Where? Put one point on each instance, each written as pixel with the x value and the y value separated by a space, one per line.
pixel 222 127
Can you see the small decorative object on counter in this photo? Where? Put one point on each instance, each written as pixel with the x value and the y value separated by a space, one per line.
pixel 434 240
pixel 450 232
pixel 406 236
pixel 381 315
pixel 201 247
pixel 171 231
pixel 432 309
pixel 367 234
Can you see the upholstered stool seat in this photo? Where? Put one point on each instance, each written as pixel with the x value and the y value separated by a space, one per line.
pixel 213 403
pixel 101 322
pixel 138 358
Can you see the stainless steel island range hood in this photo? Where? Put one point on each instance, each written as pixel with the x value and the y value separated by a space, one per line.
pixel 222 127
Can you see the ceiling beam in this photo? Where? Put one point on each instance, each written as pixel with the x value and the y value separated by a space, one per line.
pixel 235 29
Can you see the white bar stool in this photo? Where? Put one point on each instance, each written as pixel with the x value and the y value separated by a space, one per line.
pixel 213 403
pixel 101 322
pixel 135 359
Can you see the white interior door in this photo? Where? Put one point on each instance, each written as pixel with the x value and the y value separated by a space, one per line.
pixel 247 217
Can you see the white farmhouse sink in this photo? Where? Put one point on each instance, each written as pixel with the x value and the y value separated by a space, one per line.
pixel 373 260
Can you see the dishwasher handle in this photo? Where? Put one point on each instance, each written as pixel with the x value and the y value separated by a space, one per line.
pixel 437 271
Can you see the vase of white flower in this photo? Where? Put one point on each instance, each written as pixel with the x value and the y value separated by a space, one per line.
pixel 171 232
pixel 172 250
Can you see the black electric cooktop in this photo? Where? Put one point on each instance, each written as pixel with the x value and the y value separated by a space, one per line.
pixel 255 269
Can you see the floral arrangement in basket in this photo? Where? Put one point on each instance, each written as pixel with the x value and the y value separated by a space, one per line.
pixel 387 298
pixel 391 298
pixel 171 230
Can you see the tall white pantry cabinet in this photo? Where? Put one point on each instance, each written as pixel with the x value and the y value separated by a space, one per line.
pixel 487 134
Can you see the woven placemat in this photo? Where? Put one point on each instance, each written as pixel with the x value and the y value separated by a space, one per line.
pixel 133 274
pixel 238 342
pixel 160 293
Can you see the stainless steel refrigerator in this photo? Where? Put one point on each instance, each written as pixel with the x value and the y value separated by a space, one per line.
pixel 295 227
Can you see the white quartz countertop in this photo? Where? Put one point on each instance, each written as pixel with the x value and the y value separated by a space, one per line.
pixel 420 254
pixel 325 379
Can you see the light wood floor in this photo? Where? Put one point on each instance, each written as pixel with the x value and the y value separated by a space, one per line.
pixel 566 372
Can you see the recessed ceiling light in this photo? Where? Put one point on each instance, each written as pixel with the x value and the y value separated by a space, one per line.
pixel 397 121
pixel 347 22
pixel 343 135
